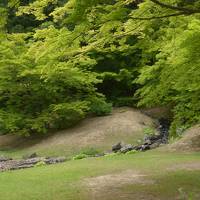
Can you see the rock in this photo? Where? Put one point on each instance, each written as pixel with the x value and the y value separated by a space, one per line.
pixel 126 148
pixel 145 147
pixel 28 163
pixel 159 141
pixel 22 164
pixel 117 147
pixel 33 155
pixel 21 167
pixel 19 164
pixel 148 142
pixel 152 138
pixel 164 140
pixel 4 159
pixel 55 160
pixel 137 148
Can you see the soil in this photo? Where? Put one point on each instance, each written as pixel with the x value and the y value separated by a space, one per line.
pixel 189 142
pixel 124 124
pixel 110 186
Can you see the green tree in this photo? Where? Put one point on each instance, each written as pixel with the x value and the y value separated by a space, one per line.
pixel 59 58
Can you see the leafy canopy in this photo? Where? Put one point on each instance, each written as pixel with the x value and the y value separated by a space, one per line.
pixel 60 60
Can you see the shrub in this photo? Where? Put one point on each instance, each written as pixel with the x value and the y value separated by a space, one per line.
pixel 149 131
pixel 67 114
pixel 100 107
pixel 39 164
pixel 90 151
pixel 132 152
pixel 80 156
pixel 125 101
pixel 11 122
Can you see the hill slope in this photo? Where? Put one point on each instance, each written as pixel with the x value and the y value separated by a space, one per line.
pixel 124 124
pixel 189 142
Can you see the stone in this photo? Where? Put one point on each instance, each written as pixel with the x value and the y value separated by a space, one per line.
pixel 4 159
pixel 153 138
pixel 137 148
pixel 159 141
pixel 31 161
pixel 21 167
pixel 164 140
pixel 145 147
pixel 126 148
pixel 148 142
pixel 117 147
pixel 28 163
pixel 55 160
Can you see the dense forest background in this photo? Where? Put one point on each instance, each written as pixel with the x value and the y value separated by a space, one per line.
pixel 61 60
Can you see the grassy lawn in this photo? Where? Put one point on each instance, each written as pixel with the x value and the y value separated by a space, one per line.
pixel 66 181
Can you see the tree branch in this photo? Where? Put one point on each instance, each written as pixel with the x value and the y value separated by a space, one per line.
pixel 177 8
pixel 159 17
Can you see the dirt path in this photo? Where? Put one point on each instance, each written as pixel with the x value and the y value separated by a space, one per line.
pixel 110 186
pixel 123 185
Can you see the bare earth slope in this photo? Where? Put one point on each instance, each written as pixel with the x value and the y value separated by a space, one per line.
pixel 189 142
pixel 124 124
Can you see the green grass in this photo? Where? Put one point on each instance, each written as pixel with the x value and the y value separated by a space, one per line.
pixel 63 181
pixel 170 186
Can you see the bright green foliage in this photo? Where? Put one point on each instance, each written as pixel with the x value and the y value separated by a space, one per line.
pixel 149 131
pixel 41 91
pixel 60 60
pixel 80 156
pixel 36 8
pixel 40 164
pixel 49 76
pixel 100 107
pixel 174 77
pixel 131 152
pixel 39 94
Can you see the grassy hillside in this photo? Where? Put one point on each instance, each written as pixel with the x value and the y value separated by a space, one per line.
pixel 151 176
pixel 100 133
